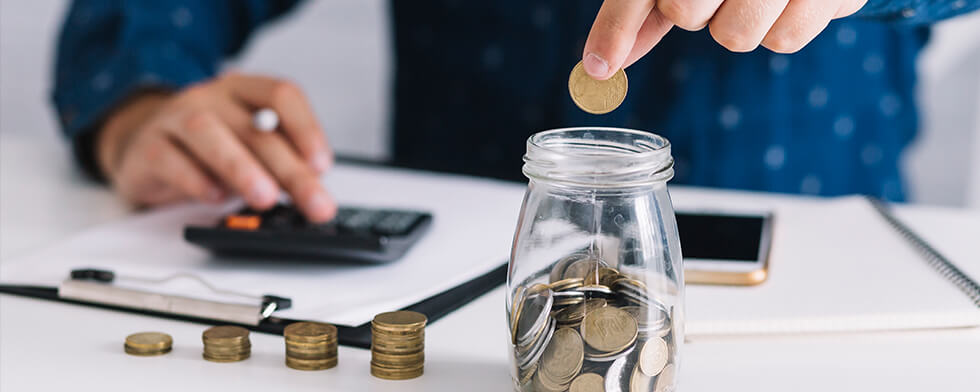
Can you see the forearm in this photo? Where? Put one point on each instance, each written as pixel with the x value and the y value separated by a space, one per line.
pixel 916 12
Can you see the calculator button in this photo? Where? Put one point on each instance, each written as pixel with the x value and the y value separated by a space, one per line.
pixel 243 222
pixel 282 218
pixel 396 223
pixel 359 221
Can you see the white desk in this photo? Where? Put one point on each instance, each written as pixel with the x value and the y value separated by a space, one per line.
pixel 52 346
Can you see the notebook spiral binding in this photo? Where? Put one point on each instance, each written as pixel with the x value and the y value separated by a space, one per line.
pixel 936 260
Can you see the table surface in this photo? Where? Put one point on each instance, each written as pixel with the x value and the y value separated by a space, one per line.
pixel 50 346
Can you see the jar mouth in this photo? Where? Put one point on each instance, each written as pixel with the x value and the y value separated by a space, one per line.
pixel 598 157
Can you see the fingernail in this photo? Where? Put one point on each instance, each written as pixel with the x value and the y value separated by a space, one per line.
pixel 595 66
pixel 319 204
pixel 321 162
pixel 263 192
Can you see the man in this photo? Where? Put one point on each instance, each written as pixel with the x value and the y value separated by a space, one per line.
pixel 138 91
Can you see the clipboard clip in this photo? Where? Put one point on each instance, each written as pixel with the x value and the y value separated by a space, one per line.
pixel 97 285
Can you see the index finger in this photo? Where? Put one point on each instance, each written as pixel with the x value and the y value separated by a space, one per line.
pixel 613 35
pixel 295 114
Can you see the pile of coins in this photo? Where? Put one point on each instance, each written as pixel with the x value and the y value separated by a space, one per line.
pixel 226 343
pixel 398 345
pixel 591 328
pixel 311 346
pixel 148 344
pixel 596 96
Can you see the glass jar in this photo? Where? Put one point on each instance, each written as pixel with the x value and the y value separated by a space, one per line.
pixel 595 284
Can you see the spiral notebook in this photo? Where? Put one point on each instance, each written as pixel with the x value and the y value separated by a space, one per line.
pixel 847 265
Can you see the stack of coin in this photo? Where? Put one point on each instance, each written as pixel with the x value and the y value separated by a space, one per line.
pixel 398 345
pixel 148 344
pixel 311 346
pixel 591 327
pixel 226 343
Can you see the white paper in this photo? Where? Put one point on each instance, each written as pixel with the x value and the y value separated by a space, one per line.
pixel 471 233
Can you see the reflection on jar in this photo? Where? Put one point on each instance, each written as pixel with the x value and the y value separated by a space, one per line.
pixel 595 295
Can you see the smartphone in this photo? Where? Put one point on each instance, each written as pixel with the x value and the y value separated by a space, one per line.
pixel 725 248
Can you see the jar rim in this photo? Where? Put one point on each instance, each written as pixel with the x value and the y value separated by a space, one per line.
pixel 536 139
pixel 598 157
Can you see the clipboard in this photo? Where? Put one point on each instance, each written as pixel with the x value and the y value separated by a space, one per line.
pixel 434 307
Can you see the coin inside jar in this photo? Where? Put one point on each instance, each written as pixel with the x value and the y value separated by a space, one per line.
pixel 534 316
pixel 609 329
pixel 563 358
pixel 653 356
pixel 587 382
pixel 665 381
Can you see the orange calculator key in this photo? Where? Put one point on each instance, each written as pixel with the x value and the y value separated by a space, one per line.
pixel 243 222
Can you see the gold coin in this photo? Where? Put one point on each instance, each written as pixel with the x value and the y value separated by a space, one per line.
pixel 389 374
pixel 540 383
pixel 148 344
pixel 609 329
pixel 516 308
pixel 605 276
pixel 582 268
pixel 225 332
pixel 311 364
pixel 665 381
pixel 587 382
pixel 597 96
pixel 640 382
pixel 566 284
pixel 563 357
pixel 398 359
pixel 228 358
pixel 399 320
pixel 653 356
pixel 306 331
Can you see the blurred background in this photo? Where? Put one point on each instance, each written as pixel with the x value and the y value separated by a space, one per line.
pixel 351 38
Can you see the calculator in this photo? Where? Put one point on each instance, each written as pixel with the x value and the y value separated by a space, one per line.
pixel 356 234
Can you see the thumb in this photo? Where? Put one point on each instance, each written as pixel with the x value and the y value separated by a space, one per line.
pixel 613 36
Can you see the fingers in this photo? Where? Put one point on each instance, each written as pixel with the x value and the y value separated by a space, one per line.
pixel 691 15
pixel 299 180
pixel 740 25
pixel 217 147
pixel 849 7
pixel 799 24
pixel 176 168
pixel 295 114
pixel 613 35
pixel 654 28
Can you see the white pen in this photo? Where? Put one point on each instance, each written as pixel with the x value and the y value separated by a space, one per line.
pixel 265 120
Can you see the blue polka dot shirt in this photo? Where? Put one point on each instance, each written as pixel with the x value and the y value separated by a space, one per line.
pixel 474 79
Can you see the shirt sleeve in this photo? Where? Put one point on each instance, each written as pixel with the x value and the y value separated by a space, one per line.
pixel 916 12
pixel 109 50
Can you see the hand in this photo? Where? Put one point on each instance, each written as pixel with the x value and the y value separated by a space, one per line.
pixel 625 30
pixel 200 144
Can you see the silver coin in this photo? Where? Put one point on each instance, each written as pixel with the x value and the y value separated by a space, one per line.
pixel 593 291
pixel 534 316
pixel 534 354
pixel 618 375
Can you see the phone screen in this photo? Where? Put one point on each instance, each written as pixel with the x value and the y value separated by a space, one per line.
pixel 720 237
